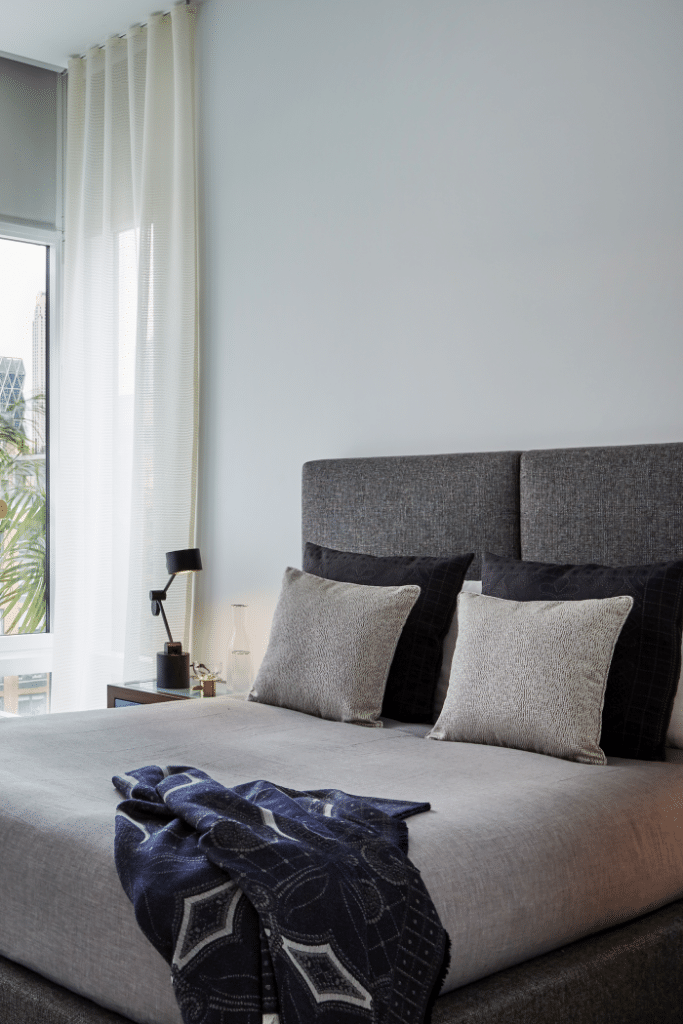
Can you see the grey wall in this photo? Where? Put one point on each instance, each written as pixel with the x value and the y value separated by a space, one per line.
pixel 429 226
pixel 28 143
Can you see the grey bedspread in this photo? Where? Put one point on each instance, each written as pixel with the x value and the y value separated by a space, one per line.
pixel 521 852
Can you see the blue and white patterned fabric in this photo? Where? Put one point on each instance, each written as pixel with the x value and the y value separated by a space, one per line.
pixel 274 906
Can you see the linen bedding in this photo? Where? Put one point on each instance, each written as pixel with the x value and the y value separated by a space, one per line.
pixel 520 853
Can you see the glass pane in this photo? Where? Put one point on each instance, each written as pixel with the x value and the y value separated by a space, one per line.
pixel 25 694
pixel 24 335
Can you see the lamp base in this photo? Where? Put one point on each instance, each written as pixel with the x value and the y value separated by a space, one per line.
pixel 173 670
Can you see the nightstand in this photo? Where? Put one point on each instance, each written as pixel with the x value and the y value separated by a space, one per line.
pixel 146 692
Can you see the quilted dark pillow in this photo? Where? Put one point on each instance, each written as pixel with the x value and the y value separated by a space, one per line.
pixel 414 673
pixel 646 665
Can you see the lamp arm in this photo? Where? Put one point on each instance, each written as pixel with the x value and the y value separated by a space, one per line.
pixel 163 615
pixel 157 597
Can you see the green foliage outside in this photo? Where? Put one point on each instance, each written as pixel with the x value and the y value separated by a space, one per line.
pixel 23 530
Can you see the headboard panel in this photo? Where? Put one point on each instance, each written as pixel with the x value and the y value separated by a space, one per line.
pixel 415 505
pixel 615 506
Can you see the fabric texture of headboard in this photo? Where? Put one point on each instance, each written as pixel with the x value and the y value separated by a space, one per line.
pixel 615 505
pixel 436 505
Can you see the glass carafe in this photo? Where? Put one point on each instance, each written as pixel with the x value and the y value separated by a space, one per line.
pixel 239 672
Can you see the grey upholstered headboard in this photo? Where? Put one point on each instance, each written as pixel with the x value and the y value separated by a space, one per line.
pixel 415 505
pixel 616 506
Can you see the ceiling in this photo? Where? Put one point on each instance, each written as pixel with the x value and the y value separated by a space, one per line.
pixel 48 32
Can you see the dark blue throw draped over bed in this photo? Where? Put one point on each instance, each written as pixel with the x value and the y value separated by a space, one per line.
pixel 268 901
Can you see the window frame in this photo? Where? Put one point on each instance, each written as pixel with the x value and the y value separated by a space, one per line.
pixel 32 652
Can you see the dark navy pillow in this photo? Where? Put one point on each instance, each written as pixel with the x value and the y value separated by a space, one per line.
pixel 646 664
pixel 414 673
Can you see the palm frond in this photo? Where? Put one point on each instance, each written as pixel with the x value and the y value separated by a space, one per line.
pixel 22 532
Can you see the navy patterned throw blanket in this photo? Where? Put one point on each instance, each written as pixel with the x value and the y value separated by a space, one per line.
pixel 279 907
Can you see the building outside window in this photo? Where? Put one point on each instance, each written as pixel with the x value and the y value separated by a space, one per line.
pixel 27 694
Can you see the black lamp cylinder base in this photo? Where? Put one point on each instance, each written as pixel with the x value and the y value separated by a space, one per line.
pixel 173 671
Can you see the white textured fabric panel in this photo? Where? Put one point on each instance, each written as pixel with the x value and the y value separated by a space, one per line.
pixel 521 853
pixel 532 674
pixel 127 440
pixel 331 646
pixel 468 587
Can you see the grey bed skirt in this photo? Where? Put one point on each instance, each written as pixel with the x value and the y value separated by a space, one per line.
pixel 630 974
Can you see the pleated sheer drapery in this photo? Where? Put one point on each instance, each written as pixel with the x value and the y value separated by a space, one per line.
pixel 125 482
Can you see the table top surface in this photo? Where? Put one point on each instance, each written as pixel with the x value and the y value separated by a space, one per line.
pixel 150 686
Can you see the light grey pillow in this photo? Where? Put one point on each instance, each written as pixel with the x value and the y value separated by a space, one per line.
pixel 468 587
pixel 532 674
pixel 674 734
pixel 331 647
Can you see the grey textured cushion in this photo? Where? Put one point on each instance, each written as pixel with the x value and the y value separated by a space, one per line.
pixel 674 733
pixel 532 675
pixel 414 672
pixel 646 664
pixel 331 646
pixel 415 505
pixel 470 587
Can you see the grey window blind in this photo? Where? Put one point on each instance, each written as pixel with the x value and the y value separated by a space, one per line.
pixel 28 143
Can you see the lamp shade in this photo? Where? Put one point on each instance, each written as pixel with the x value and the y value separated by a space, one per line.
pixel 186 560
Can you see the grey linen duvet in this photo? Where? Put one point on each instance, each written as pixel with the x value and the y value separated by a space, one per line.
pixel 521 852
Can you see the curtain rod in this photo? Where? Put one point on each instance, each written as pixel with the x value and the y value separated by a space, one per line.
pixel 137 24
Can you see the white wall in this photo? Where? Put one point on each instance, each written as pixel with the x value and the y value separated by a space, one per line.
pixel 429 226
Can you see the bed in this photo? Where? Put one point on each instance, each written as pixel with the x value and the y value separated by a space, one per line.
pixel 580 919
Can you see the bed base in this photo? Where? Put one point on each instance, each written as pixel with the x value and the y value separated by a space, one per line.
pixel 630 974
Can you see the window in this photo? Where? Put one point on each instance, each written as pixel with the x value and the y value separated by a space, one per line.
pixel 24 345
pixel 29 278
pixel 25 695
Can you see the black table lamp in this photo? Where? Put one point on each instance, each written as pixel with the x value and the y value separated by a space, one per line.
pixel 173 667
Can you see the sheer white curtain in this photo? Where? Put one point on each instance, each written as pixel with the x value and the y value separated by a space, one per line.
pixel 124 491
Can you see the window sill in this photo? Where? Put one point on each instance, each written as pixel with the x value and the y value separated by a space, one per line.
pixel 20 655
